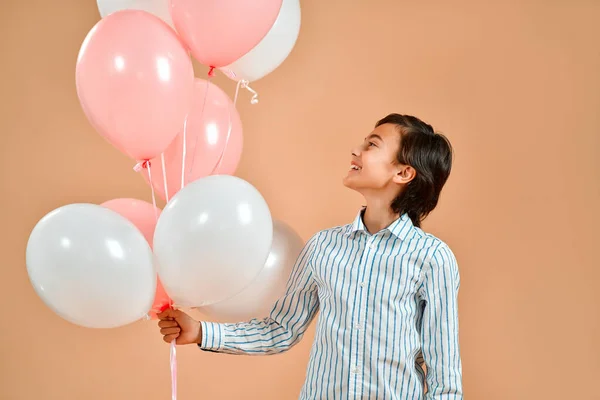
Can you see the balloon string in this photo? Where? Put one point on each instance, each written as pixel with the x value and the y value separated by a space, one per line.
pixel 173 362
pixel 184 153
pixel 241 84
pixel 198 133
pixel 145 164
pixel 148 165
pixel 173 352
pixel 237 91
pixel 164 171
pixel 235 97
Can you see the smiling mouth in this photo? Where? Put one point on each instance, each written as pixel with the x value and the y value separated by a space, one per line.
pixel 355 168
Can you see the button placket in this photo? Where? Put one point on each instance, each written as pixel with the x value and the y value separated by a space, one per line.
pixel 356 344
pixel 366 260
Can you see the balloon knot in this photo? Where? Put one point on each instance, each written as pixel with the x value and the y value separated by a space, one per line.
pixel 211 71
pixel 164 307
pixel 144 164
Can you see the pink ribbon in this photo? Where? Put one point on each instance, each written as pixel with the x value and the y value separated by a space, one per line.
pixel 173 358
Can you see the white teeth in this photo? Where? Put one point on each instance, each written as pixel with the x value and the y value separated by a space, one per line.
pixel 354 167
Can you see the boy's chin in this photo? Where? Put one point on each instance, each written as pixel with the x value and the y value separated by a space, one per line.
pixel 351 183
pixel 360 184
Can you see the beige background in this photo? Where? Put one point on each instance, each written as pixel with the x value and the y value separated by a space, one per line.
pixel 516 87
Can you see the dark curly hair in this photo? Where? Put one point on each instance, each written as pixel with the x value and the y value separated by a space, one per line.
pixel 430 154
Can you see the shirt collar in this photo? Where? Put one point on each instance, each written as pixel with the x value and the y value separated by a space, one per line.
pixel 400 228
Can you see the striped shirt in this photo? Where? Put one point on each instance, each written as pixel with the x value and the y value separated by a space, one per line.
pixel 388 306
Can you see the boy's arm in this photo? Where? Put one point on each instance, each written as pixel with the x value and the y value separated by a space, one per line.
pixel 439 331
pixel 284 327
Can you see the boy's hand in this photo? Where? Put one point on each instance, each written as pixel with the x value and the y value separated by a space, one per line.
pixel 175 324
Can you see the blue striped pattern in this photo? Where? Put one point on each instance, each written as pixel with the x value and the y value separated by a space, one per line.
pixel 388 305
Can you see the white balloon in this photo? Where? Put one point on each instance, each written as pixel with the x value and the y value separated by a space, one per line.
pixel 273 49
pixel 259 297
pixel 91 266
pixel 212 240
pixel 160 8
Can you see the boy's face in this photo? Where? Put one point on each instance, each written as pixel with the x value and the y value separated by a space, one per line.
pixel 373 165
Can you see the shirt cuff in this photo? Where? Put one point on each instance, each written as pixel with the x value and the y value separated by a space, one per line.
pixel 212 336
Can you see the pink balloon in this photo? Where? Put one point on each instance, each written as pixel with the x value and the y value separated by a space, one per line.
pixel 218 32
pixel 135 81
pixel 144 216
pixel 205 140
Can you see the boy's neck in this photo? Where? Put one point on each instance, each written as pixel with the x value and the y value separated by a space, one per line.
pixel 378 216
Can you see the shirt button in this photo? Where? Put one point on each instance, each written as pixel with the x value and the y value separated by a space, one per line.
pixel 362 284
pixel 358 327
pixel 355 370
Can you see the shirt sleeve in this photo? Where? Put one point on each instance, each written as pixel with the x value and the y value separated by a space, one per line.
pixel 439 330
pixel 284 327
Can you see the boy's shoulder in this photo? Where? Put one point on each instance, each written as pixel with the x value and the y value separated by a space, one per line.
pixel 329 232
pixel 433 243
pixel 429 237
pixel 334 230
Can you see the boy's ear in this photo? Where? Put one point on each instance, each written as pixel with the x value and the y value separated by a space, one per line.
pixel 405 174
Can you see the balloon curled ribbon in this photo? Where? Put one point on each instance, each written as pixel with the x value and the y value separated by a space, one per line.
pixel 244 84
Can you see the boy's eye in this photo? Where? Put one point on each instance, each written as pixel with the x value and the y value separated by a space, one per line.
pixel 372 144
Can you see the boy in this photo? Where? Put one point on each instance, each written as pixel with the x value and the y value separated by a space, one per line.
pixel 386 290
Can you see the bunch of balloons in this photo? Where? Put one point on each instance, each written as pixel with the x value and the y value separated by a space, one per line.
pixel 215 244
